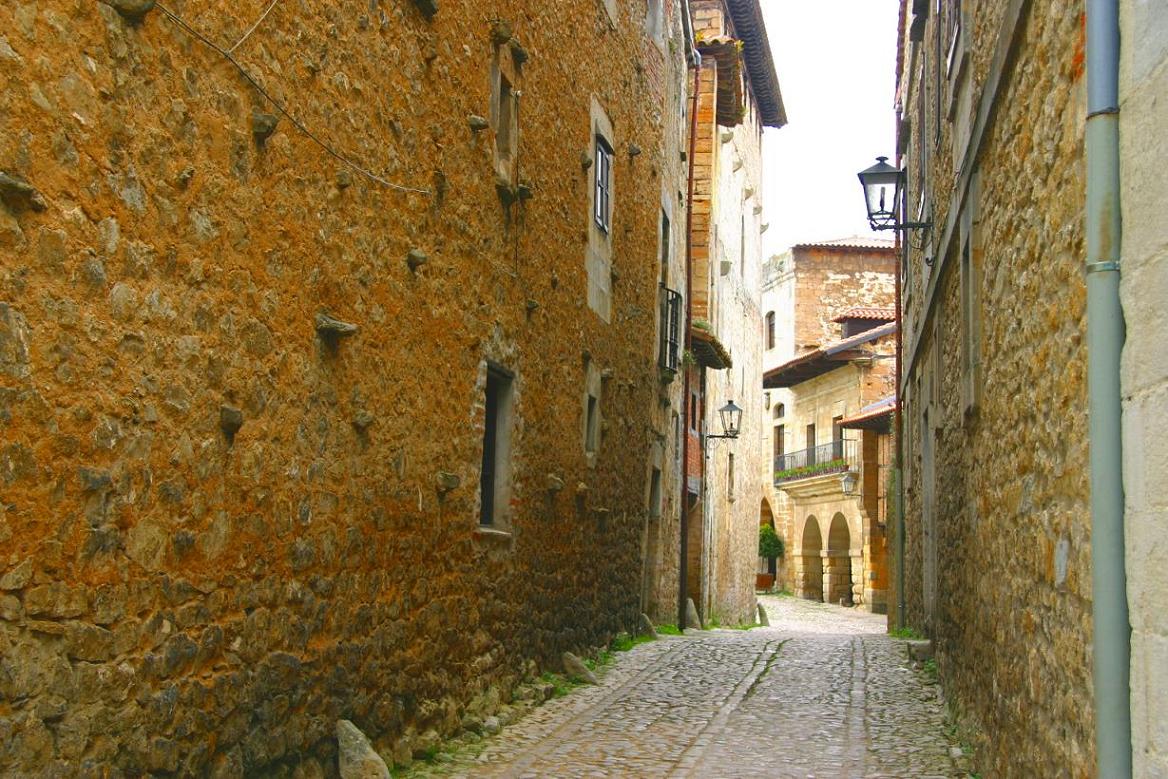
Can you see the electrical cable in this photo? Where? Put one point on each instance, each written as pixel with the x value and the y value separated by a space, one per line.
pixel 280 107
pixel 252 29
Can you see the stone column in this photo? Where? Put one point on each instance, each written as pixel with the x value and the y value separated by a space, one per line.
pixel 858 577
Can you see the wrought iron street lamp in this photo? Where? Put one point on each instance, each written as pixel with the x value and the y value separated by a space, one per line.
pixel 731 416
pixel 883 189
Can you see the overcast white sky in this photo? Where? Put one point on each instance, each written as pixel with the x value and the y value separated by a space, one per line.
pixel 836 62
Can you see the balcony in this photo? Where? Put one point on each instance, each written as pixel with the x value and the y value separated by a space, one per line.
pixel 833 457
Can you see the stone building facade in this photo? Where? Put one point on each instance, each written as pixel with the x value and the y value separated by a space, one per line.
pixel 738 96
pixel 285 438
pixel 832 455
pixel 805 291
pixel 997 568
pixel 1144 379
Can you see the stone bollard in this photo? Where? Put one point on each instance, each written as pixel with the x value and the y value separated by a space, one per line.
pixel 762 617
pixel 647 628
pixel 692 620
pixel 574 667
pixel 356 758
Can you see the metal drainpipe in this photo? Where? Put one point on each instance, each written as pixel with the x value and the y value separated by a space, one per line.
pixel 1105 337
pixel 682 573
pixel 898 421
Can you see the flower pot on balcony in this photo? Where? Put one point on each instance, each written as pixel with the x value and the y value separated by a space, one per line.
pixel 764 581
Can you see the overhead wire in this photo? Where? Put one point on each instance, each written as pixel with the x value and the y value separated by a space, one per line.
pixel 252 29
pixel 226 54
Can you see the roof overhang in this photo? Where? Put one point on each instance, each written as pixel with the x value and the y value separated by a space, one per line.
pixel 725 51
pixel 879 420
pixel 708 350
pixel 825 359
pixel 809 366
pixel 760 63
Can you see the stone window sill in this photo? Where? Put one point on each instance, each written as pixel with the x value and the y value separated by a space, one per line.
pixel 488 533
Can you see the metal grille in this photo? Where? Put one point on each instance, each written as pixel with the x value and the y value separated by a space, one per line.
pixel 832 457
pixel 670 328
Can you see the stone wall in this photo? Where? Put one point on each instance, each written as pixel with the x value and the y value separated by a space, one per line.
pixel 221 531
pixel 997 519
pixel 1144 287
pixel 831 279
pixel 806 287
pixel 732 508
pixel 662 535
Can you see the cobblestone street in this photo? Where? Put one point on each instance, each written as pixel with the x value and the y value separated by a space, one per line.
pixel 823 692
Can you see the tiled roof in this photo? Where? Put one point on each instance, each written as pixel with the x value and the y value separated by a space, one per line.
pixel 853 242
pixel 867 312
pixel 872 416
pixel 826 358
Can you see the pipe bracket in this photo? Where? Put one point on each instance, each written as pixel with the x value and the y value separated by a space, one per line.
pixel 1103 266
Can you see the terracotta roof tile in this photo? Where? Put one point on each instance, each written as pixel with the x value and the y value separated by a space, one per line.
pixel 867 312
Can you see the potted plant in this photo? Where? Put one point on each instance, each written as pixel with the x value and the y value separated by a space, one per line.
pixel 770 547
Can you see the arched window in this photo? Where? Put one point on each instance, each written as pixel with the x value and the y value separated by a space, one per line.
pixel 780 411
pixel 770 330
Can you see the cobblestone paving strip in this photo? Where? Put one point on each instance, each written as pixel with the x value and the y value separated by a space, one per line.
pixel 821 693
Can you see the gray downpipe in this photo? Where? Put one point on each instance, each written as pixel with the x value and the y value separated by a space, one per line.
pixel 1105 337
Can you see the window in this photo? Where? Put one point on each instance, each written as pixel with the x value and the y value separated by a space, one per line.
pixel 971 303
pixel 742 247
pixel 770 331
pixel 504 135
pixel 495 475
pixel 730 477
pixel 597 213
pixel 603 195
pixel 810 444
pixel 670 329
pixel 780 446
pixel 592 425
pixel 665 238
pixel 655 494
pixel 504 112
pixel 780 410
pixel 837 438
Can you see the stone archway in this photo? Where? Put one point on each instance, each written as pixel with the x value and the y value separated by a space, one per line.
pixel 767 517
pixel 809 576
pixel 837 564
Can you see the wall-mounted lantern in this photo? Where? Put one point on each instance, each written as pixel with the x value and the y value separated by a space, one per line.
pixel 883 188
pixel 848 484
pixel 731 416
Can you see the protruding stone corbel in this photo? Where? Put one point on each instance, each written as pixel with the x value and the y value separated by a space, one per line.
pixel 429 8
pixel 332 330
pixel 230 421
pixel 500 32
pixel 263 125
pixel 133 11
pixel 416 258
pixel 447 482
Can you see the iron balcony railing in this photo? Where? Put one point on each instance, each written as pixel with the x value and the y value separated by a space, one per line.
pixel 670 328
pixel 832 457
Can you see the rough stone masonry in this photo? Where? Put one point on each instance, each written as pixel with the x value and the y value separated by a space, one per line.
pixel 242 384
